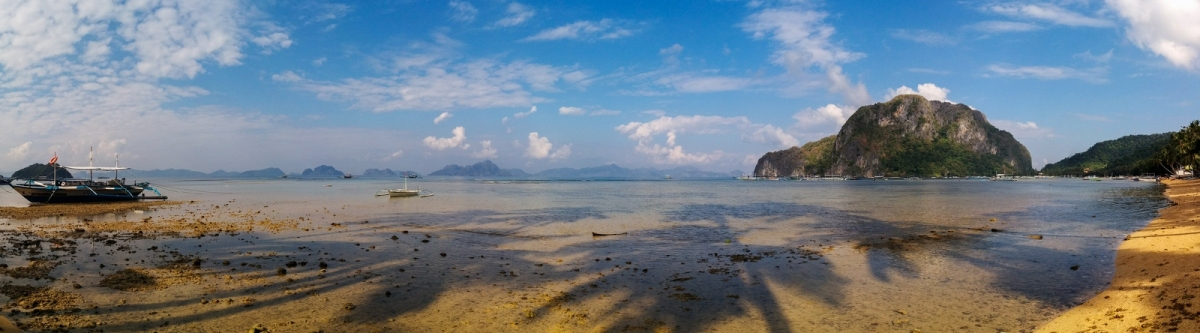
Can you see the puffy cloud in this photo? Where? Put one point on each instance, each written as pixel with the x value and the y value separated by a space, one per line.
pixel 928 90
pixel 458 140
pixel 585 30
pixel 1093 75
pixel 485 150
pixel 477 84
pixel 774 136
pixel 924 37
pixel 670 54
pixel 539 148
pixel 1167 28
pixel 517 14
pixel 571 111
pixel 671 127
pixel 19 153
pixel 828 114
pixel 462 11
pixel 397 154
pixel 1049 13
pixel 804 43
pixel 442 117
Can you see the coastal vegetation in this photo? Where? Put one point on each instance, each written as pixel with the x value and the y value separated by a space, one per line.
pixel 37 170
pixel 1127 155
pixel 907 136
pixel 1182 151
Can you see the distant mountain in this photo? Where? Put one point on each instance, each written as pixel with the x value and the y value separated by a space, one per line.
pixel 907 136
pixel 1127 155
pixel 387 173
pixel 183 173
pixel 321 172
pixel 38 169
pixel 481 169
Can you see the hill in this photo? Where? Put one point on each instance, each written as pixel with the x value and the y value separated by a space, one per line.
pixel 481 169
pixel 387 173
pixel 323 171
pixel 183 173
pixel 907 136
pixel 1127 155
pixel 37 169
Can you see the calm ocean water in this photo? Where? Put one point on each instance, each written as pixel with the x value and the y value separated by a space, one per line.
pixel 876 234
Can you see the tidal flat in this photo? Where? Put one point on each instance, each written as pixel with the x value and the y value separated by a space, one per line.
pixel 690 255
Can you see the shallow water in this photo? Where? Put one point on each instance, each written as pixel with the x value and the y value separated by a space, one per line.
pixel 938 255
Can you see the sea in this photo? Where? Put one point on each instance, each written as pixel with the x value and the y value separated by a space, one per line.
pixel 695 254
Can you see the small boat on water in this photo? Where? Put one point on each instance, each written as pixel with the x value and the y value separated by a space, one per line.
pixel 347 176
pixel 402 193
pixel 70 190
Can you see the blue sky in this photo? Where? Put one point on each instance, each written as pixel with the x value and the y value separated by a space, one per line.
pixel 240 85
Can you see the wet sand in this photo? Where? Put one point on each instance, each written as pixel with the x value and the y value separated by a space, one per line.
pixel 1157 277
pixel 282 266
pixel 87 209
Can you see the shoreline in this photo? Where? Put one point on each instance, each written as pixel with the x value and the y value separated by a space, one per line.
pixel 1157 275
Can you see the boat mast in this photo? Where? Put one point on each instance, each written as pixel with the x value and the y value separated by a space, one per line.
pixel 90 153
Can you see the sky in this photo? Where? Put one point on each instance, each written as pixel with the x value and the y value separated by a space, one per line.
pixel 416 85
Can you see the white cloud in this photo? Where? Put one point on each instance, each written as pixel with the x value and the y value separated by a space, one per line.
pixel 477 84
pixel 1004 26
pixel 462 11
pixel 485 150
pixel 585 30
pixel 690 83
pixel 681 124
pixel 442 117
pixel 1049 13
pixel 520 115
pixel 828 114
pixel 804 43
pixel 670 54
pixel 1024 130
pixel 539 148
pixel 924 36
pixel 319 61
pixel 19 153
pixel 517 14
pixel 458 140
pixel 397 154
pixel 1170 29
pixel 928 90
pixel 774 136
pixel 655 113
pixel 571 111
pixel 604 112
pixel 286 76
pixel 1093 75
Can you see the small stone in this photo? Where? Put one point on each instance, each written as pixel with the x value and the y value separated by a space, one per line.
pixel 290 264
pixel 281 271
pixel 387 293
pixel 225 263
pixel 996 230
pixel 1075 267
pixel 1035 236
pixel 77 286
pixel 443 254
pixel 404 232
pixel 322 265
pixel 902 312
pixel 394 237
pixel 424 241
pixel 348 306
pixel 196 262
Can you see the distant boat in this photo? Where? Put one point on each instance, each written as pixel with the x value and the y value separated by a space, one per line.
pixel 347 176
pixel 283 177
pixel 68 190
pixel 411 176
pixel 668 177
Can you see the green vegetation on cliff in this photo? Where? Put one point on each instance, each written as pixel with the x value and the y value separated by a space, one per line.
pixel 907 136
pixel 1128 155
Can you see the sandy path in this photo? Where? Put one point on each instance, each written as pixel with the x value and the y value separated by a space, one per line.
pixel 1157 278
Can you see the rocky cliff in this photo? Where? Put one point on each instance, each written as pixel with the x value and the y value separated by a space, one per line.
pixel 907 136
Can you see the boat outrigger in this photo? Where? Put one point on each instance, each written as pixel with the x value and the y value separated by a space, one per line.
pixel 54 190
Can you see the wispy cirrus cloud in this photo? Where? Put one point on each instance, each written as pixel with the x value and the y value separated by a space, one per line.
pixel 924 36
pixel 586 30
pixel 670 128
pixel 516 14
pixel 1048 13
pixel 462 11
pixel 1004 26
pixel 1091 75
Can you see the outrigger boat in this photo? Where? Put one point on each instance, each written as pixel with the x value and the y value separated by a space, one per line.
pixel 54 190
pixel 404 192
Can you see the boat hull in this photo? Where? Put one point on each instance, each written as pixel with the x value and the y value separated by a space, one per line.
pixel 75 194
pixel 403 193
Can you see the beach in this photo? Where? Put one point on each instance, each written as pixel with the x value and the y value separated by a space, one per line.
pixel 301 256
pixel 1157 276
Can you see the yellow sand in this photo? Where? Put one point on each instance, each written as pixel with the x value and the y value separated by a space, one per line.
pixel 1157 279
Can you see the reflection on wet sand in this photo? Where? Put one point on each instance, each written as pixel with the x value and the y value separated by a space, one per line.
pixel 687 263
